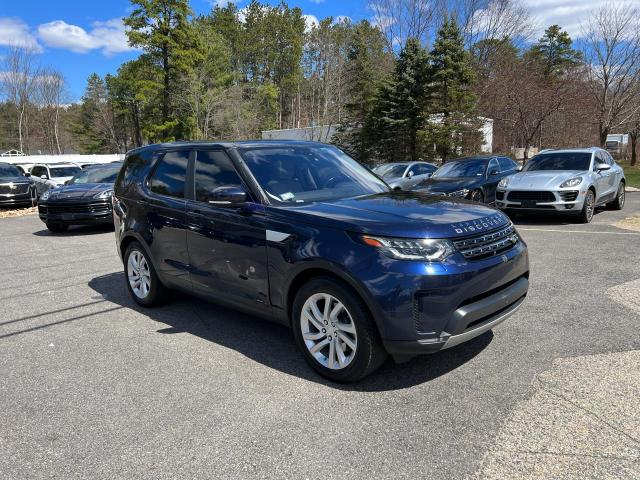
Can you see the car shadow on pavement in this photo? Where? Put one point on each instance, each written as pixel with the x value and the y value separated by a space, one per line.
pixel 541 219
pixel 76 231
pixel 272 344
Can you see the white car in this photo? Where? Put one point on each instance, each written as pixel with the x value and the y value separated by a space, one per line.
pixel 47 176
pixel 405 175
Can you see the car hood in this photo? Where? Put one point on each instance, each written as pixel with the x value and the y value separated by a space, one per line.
pixel 543 179
pixel 78 191
pixel 398 214
pixel 448 185
pixel 20 180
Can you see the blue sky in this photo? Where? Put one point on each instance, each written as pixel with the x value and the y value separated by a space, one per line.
pixel 79 37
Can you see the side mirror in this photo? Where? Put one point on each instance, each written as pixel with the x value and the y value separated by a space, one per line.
pixel 43 177
pixel 494 172
pixel 602 166
pixel 410 174
pixel 27 174
pixel 228 197
pixel 519 168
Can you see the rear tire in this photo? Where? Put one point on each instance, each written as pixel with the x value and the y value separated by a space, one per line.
pixel 141 278
pixel 57 228
pixel 618 203
pixel 588 207
pixel 352 326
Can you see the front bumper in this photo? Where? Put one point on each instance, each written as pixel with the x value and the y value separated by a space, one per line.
pixel 87 213
pixel 468 321
pixel 18 199
pixel 560 201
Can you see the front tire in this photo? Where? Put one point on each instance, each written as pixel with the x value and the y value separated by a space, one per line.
pixel 335 331
pixel 477 196
pixel 588 207
pixel 618 203
pixel 142 280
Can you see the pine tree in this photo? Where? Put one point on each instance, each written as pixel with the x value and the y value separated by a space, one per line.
pixel 453 129
pixel 554 52
pixel 399 117
pixel 368 62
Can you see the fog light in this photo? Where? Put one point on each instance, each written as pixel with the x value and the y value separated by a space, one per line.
pixel 569 206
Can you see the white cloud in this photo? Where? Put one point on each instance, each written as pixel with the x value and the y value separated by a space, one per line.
pixel 310 21
pixel 569 14
pixel 14 31
pixel 108 36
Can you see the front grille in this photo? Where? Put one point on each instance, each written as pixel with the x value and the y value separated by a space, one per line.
pixel 499 195
pixel 16 188
pixel 531 195
pixel 89 208
pixel 488 244
pixel 569 196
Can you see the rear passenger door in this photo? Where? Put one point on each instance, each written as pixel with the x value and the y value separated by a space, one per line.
pixel 227 244
pixel 166 216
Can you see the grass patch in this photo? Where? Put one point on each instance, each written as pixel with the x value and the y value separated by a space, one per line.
pixel 632 174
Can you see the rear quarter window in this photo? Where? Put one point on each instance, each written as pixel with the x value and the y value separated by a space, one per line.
pixel 132 171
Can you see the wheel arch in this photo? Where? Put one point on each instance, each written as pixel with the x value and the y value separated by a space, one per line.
pixel 317 270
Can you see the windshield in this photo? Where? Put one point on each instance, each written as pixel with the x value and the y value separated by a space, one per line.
pixel 301 174
pixel 96 175
pixel 64 171
pixel 9 171
pixel 559 161
pixel 391 170
pixel 468 168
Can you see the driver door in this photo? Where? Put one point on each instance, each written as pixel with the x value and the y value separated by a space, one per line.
pixel 493 177
pixel 227 245
pixel 603 188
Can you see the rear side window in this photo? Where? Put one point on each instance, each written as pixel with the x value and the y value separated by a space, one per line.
pixel 214 169
pixel 169 175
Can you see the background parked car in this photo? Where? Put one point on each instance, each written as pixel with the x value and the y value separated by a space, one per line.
pixel 46 176
pixel 565 181
pixel 85 200
pixel 404 176
pixel 475 178
pixel 15 188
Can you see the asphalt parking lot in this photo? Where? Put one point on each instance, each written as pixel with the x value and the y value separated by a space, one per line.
pixel 95 387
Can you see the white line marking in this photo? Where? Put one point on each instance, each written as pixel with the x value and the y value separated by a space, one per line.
pixel 572 231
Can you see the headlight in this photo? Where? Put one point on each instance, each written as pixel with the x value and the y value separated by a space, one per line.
pixel 432 250
pixel 459 193
pixel 45 195
pixel 572 182
pixel 104 195
pixel 503 183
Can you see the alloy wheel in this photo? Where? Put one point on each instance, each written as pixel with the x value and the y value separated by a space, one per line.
pixel 139 274
pixel 328 331
pixel 589 203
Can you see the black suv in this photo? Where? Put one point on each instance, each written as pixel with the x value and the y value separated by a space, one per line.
pixel 302 234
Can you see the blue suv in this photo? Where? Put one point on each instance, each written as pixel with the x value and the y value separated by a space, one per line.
pixel 302 234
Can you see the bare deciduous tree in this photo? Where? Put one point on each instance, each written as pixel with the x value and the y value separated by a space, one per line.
pixel 49 93
pixel 403 19
pixel 612 53
pixel 18 85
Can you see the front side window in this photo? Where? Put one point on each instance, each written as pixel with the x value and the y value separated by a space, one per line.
pixel 467 168
pixel 423 169
pixel 214 169
pixel 300 174
pixel 493 166
pixel 390 171
pixel 506 164
pixel 559 161
pixel 169 175
pixel 38 171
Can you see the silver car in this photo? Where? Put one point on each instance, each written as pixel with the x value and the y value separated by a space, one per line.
pixel 46 176
pixel 405 175
pixel 574 181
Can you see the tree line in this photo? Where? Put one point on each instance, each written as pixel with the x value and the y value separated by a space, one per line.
pixel 413 84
